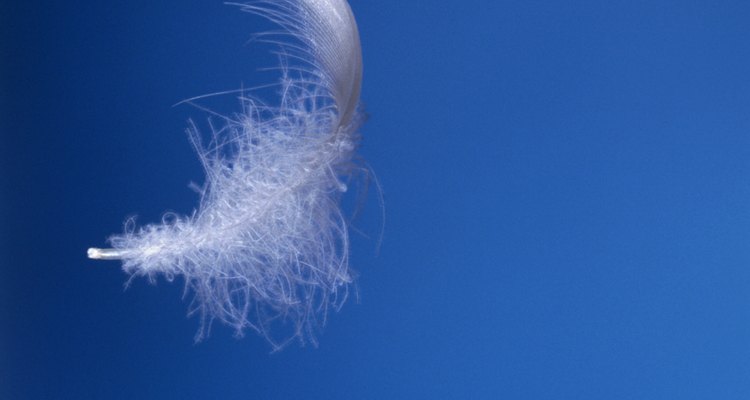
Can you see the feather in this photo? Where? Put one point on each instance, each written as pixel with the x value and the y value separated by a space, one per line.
pixel 267 247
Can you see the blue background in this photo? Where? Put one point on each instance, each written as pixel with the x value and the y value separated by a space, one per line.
pixel 566 184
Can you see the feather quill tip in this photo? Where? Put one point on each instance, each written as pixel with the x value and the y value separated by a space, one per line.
pixel 104 254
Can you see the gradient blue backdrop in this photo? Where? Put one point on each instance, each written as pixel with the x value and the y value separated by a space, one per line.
pixel 567 188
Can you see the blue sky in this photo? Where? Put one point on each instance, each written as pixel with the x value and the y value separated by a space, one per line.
pixel 566 187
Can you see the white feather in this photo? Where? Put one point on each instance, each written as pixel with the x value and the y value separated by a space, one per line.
pixel 268 246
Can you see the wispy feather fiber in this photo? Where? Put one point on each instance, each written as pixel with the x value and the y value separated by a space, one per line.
pixel 267 248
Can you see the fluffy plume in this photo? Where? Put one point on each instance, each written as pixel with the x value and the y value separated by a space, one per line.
pixel 267 248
